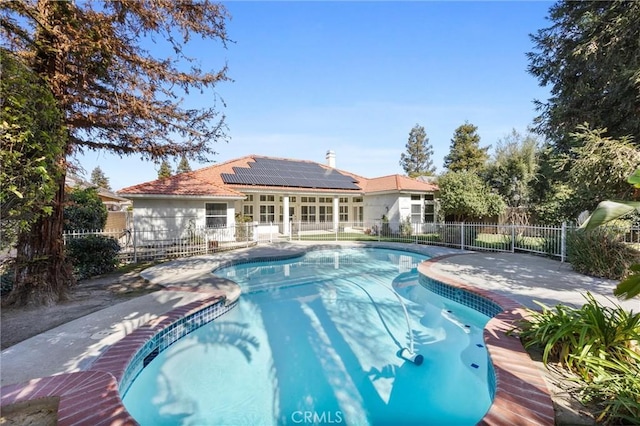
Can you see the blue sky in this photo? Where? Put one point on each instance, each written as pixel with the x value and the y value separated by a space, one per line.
pixel 355 77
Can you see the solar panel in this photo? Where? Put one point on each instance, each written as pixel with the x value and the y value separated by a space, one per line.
pixel 299 174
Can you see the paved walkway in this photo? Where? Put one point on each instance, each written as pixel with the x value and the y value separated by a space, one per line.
pixel 526 278
pixel 76 345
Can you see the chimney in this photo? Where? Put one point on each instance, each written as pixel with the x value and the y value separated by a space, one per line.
pixel 331 159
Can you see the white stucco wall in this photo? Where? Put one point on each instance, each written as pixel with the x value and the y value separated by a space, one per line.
pixel 377 205
pixel 174 214
pixel 404 207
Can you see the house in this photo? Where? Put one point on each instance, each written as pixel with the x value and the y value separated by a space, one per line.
pixel 279 195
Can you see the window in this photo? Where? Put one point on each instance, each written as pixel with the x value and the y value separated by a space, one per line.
pixel 357 215
pixel 308 214
pixel 344 213
pixel 270 198
pixel 308 199
pixel 344 199
pixel 292 213
pixel 215 214
pixel 267 213
pixel 415 197
pixel 416 213
pixel 247 211
pixel 357 199
pixel 249 198
pixel 326 214
pixel 428 197
pixel 429 213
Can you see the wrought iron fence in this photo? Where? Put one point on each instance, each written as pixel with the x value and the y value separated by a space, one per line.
pixel 138 245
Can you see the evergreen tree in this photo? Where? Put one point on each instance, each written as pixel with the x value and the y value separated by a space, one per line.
pixel 165 170
pixel 115 94
pixel 513 167
pixel 589 59
pixel 417 161
pixel 465 153
pixel 183 166
pixel 99 179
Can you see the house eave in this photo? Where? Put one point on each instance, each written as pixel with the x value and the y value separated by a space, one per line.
pixel 185 196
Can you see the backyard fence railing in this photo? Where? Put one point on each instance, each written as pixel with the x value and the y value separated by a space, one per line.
pixel 138 245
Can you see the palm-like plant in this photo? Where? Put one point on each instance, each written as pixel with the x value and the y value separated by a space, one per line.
pixel 608 211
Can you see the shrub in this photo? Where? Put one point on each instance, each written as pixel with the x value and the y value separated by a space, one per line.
pixel 243 232
pixel 601 253
pixel 600 345
pixel 93 255
pixel 7 275
pixel 386 228
pixel 406 228
pixel 85 211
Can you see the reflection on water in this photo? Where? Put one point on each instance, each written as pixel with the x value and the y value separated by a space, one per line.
pixel 315 341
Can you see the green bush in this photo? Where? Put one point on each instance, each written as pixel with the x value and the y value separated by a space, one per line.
pixel 406 228
pixel 601 253
pixel 600 345
pixel 7 276
pixel 85 211
pixel 93 255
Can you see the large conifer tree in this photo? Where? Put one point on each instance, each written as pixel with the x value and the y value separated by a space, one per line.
pixel 99 179
pixel 465 153
pixel 417 161
pixel 115 94
pixel 590 59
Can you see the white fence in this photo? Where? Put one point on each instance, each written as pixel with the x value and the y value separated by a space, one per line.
pixel 160 244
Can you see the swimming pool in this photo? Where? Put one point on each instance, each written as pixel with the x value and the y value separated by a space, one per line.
pixel 315 340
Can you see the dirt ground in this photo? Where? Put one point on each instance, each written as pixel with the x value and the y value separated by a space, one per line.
pixel 18 324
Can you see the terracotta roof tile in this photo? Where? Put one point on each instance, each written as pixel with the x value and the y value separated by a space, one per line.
pixel 398 183
pixel 208 182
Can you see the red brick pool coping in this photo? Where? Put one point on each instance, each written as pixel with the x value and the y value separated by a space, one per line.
pixel 92 397
pixel 522 396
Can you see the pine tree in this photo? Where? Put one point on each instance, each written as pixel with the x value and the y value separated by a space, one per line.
pixel 465 152
pixel 99 179
pixel 165 170
pixel 417 161
pixel 183 166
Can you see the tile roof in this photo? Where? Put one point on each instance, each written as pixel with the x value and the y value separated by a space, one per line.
pixel 208 182
pixel 398 183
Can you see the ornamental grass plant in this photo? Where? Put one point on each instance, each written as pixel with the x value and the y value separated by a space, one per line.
pixel 599 346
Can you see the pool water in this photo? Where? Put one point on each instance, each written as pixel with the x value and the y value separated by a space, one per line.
pixel 315 340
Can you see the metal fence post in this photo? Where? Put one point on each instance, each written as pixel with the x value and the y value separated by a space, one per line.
pixel 563 242
pixel 462 236
pixel 513 238
pixel 135 251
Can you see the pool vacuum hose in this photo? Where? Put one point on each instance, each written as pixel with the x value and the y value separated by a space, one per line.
pixel 407 353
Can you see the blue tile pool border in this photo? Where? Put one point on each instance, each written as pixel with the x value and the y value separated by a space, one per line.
pixel 168 336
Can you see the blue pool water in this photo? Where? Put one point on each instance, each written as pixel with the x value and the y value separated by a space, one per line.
pixel 315 340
